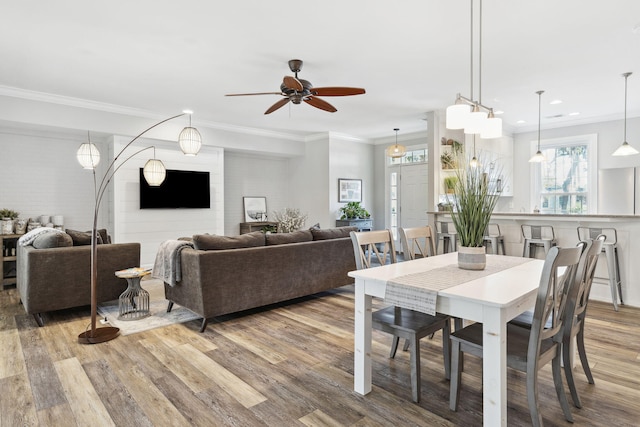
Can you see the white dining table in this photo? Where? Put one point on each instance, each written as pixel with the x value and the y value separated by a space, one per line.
pixel 493 299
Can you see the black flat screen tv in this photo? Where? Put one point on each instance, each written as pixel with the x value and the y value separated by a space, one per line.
pixel 180 189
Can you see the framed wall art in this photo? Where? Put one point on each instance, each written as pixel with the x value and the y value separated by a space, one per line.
pixel 349 190
pixel 255 209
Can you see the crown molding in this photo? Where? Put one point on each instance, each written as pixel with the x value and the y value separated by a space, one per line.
pixel 136 112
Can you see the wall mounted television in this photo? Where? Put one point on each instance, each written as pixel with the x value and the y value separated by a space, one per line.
pixel 180 190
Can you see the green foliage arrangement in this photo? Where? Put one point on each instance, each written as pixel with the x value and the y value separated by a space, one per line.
pixel 353 210
pixel 450 183
pixel 473 199
pixel 8 213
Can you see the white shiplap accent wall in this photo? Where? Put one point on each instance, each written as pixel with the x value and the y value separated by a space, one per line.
pixel 41 176
pixel 150 227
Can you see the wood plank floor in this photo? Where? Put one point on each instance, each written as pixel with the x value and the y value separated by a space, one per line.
pixel 289 365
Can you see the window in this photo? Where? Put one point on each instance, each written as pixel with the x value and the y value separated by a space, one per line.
pixel 566 182
pixel 412 156
pixel 393 205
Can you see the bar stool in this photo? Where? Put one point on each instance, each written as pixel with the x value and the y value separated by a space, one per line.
pixel 446 232
pixel 610 249
pixel 536 236
pixel 493 237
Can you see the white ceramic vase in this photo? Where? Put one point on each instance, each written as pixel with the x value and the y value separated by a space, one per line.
pixel 6 226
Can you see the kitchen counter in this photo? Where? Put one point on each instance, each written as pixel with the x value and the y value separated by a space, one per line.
pixel 565 228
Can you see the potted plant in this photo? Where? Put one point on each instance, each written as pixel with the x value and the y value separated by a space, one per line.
pixel 7 219
pixel 450 183
pixel 446 159
pixel 353 210
pixel 474 197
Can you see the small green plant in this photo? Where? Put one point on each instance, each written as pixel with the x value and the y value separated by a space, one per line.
pixel 450 183
pixel 353 210
pixel 269 229
pixel 8 213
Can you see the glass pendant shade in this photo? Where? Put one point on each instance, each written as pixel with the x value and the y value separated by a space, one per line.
pixel 625 150
pixel 474 162
pixel 154 172
pixel 475 122
pixel 492 128
pixel 457 116
pixel 190 141
pixel 88 155
pixel 537 158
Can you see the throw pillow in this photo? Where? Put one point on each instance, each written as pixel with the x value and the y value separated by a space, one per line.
pixel 332 233
pixel 82 238
pixel 52 240
pixel 293 237
pixel 208 242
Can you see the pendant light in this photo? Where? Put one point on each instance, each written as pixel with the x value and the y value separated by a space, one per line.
pixel 538 157
pixel 625 149
pixel 474 161
pixel 88 154
pixel 470 115
pixel 397 150
pixel 190 139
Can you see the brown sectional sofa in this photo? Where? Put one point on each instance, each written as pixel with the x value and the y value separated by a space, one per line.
pixel 253 270
pixel 59 277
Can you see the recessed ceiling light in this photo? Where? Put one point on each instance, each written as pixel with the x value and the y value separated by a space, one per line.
pixel 521 122
pixel 187 111
pixel 575 113
pixel 556 101
pixel 498 112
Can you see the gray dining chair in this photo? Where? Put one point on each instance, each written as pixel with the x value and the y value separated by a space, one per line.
pixel 576 313
pixel 377 247
pixel 529 349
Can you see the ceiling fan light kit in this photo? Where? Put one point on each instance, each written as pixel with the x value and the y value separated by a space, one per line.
pixel 297 90
pixel 625 149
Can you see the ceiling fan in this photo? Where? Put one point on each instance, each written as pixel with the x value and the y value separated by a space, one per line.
pixel 298 90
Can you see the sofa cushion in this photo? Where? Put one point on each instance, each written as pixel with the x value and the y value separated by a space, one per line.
pixel 332 233
pixel 52 240
pixel 208 242
pixel 293 237
pixel 82 238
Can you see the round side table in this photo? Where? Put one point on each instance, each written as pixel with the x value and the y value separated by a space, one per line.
pixel 134 301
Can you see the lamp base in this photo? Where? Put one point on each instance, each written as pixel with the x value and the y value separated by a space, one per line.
pixel 99 335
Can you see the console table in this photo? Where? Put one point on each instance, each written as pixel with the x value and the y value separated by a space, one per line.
pixel 248 227
pixel 362 224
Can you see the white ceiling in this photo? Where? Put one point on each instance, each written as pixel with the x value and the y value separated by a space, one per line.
pixel 411 56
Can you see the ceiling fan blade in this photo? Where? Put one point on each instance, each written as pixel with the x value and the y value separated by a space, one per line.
pixel 277 105
pixel 257 93
pixel 292 83
pixel 321 104
pixel 337 91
